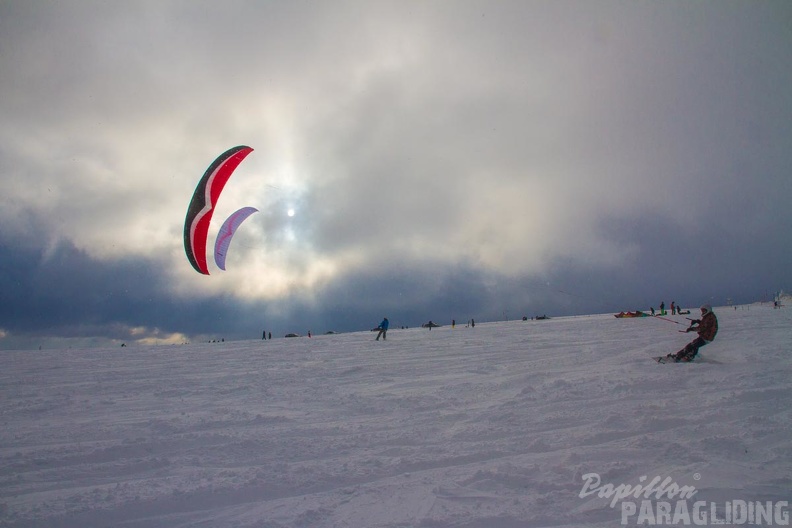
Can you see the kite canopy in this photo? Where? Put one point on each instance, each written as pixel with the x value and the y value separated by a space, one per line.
pixel 227 233
pixel 201 208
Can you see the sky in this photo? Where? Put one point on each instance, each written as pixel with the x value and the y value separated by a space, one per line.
pixel 442 160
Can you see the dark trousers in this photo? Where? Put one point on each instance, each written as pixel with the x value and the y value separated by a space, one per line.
pixel 382 333
pixel 690 350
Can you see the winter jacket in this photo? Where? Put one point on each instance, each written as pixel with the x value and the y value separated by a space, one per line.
pixel 708 327
pixel 384 324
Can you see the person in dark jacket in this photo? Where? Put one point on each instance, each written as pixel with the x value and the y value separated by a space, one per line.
pixel 383 329
pixel 707 329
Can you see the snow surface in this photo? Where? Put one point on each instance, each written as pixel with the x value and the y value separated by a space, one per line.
pixel 492 426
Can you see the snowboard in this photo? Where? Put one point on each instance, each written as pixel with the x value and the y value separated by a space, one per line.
pixel 698 359
pixel 663 359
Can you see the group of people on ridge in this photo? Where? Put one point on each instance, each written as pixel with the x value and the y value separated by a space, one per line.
pixel 675 309
pixel 706 328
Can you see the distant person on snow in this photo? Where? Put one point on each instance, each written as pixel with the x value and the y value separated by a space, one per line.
pixel 707 328
pixel 383 329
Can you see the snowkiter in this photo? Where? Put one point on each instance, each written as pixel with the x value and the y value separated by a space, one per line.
pixel 383 329
pixel 707 329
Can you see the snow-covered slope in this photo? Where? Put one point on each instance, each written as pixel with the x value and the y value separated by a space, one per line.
pixel 501 425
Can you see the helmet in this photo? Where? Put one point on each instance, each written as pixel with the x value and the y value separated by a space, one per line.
pixel 706 308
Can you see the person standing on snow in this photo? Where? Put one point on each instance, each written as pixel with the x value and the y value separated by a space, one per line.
pixel 707 328
pixel 383 329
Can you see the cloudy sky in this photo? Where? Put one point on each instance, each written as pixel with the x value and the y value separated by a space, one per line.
pixel 444 159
